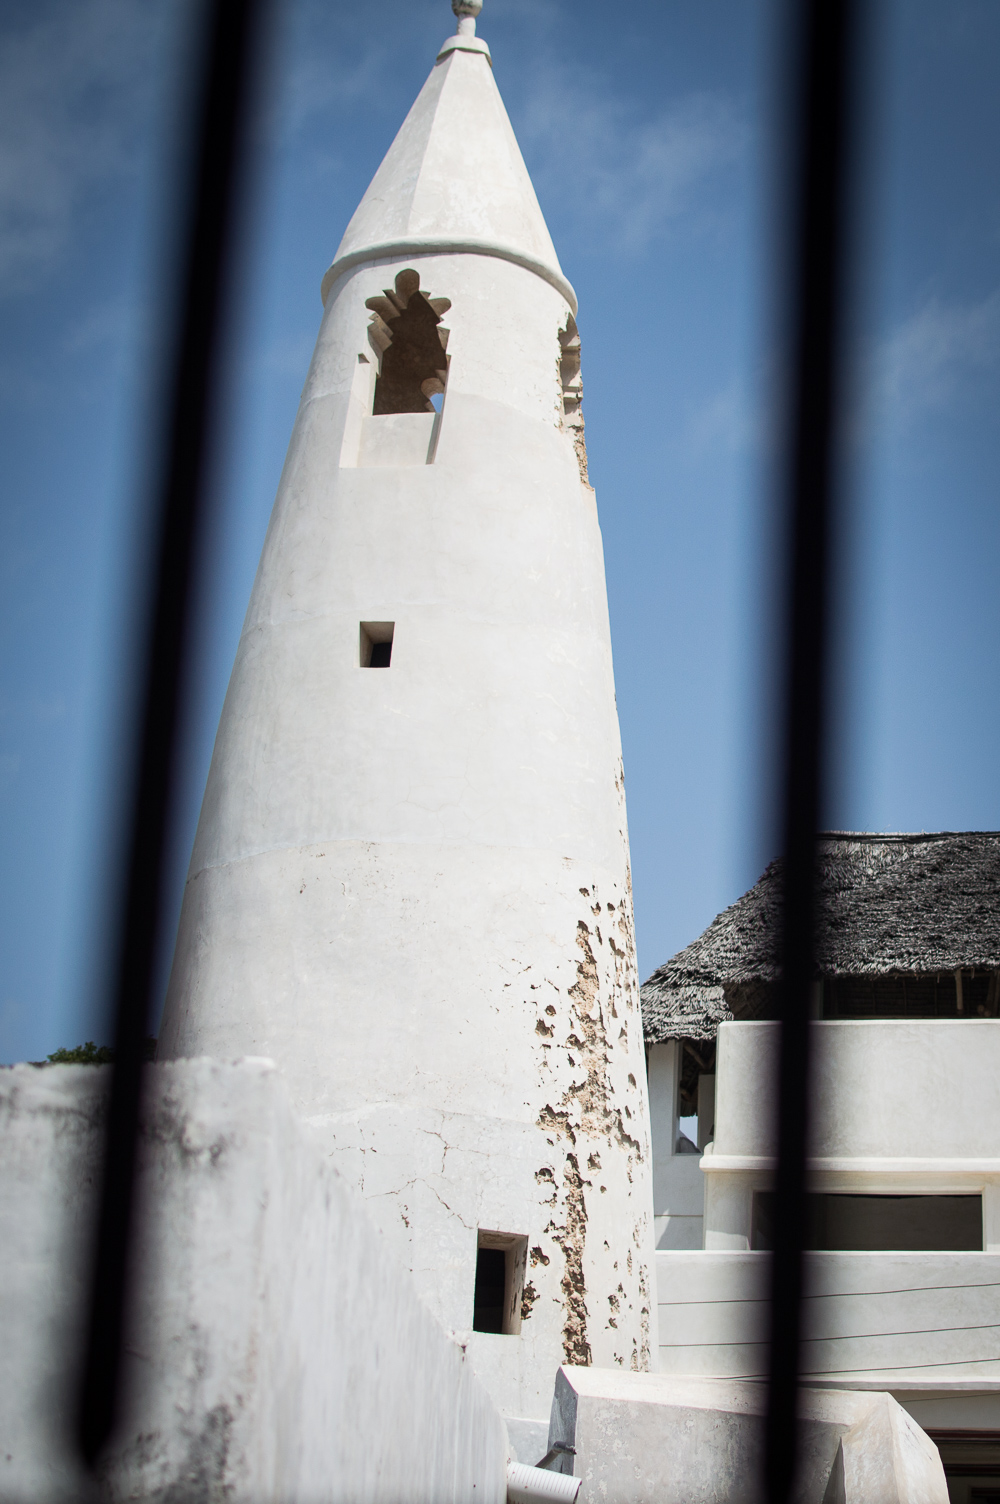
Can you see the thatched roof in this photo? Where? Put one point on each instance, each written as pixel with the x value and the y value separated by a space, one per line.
pixel 888 904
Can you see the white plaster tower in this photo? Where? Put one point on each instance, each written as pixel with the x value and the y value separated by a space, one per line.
pixel 410 883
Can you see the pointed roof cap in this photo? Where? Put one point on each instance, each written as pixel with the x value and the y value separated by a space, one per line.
pixel 454 179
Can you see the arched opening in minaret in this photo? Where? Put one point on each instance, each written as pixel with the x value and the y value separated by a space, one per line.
pixel 572 391
pixel 405 332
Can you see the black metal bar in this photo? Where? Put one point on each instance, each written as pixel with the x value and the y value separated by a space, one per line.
pixel 230 30
pixel 818 254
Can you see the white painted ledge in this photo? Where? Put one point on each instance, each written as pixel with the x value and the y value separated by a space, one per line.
pixel 433 245
pixel 902 1383
pixel 733 1163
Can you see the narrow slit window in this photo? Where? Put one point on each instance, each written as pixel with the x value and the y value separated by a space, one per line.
pixel 376 643
pixel 490 1280
pixel 499 1290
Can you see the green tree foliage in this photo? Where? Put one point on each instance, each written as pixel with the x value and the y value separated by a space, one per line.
pixel 83 1054
pixel 92 1054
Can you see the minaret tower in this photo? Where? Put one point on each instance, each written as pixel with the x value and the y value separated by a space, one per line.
pixel 410 882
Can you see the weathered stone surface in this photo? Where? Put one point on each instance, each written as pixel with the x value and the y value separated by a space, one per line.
pixel 700 1441
pixel 277 1352
pixel 885 1458
pixel 410 887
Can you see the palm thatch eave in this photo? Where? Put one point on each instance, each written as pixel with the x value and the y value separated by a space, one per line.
pixel 888 904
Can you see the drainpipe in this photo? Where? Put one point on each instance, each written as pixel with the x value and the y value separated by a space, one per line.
pixel 526 1485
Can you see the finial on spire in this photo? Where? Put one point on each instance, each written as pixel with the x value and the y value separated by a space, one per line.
pixel 467 11
pixel 465 39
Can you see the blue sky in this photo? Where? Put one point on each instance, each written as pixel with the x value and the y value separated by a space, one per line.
pixel 650 133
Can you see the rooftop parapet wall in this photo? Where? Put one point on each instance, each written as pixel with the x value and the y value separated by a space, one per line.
pixel 278 1351
pixel 915 1323
pixel 883 1090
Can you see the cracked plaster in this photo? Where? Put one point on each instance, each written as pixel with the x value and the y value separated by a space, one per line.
pixel 411 888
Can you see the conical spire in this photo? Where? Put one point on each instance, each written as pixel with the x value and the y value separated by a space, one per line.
pixel 454 178
pixel 410 883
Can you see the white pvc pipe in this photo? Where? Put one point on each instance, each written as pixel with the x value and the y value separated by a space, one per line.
pixel 527 1484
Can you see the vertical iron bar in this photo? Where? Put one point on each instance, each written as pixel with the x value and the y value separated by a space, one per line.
pixel 230 28
pixel 817 224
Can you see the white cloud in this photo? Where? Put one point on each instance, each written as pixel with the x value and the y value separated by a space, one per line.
pixel 611 172
pixel 333 57
pixel 74 98
pixel 933 354
pixel 725 420
pixel 627 179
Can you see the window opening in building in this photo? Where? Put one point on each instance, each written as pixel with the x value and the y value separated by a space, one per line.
pixel 884 1224
pixel 405 332
pixel 491 1265
pixel 376 643
pixel 695 1098
pixel 969 1454
pixel 571 382
pixel 499 1290
pixel 971 992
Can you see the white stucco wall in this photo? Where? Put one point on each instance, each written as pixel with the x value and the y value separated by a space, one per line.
pixel 900 1106
pixel 278 1350
pixel 701 1441
pixel 678 1184
pixel 410 887
pixel 882 1088
pixel 455 166
pixel 914 1323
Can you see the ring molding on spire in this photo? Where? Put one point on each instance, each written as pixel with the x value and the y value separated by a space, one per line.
pixel 460 43
pixel 394 250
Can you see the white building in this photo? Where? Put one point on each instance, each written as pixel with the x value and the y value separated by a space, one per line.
pixel 410 893
pixel 904 1276
pixel 410 883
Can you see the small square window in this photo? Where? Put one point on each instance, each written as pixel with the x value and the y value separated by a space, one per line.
pixel 376 643
pixel 500 1261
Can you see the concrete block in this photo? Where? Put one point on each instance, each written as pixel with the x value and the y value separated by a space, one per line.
pixel 885 1458
pixel 678 1440
pixel 528 1438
